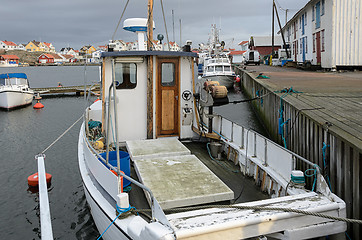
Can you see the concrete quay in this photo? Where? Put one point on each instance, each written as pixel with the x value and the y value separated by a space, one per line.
pixel 318 115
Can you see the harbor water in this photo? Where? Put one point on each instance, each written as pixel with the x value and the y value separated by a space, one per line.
pixel 26 132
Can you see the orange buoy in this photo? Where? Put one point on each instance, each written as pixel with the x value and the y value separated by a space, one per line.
pixel 38 105
pixel 33 180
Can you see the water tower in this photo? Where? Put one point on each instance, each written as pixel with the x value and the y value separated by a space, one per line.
pixel 139 26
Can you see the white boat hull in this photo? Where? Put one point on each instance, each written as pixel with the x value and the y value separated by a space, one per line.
pixel 12 99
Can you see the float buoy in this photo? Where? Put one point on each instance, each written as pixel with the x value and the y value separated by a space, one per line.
pixel 33 180
pixel 38 105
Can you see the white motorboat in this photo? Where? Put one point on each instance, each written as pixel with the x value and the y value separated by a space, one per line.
pixel 214 63
pixel 14 90
pixel 218 68
pixel 149 107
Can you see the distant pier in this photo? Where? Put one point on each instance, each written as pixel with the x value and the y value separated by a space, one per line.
pixel 61 90
pixel 319 116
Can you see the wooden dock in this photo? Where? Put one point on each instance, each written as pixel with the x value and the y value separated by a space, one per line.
pixel 77 90
pixel 322 116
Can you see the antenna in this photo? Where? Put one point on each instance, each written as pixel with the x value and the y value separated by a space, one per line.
pixel 173 25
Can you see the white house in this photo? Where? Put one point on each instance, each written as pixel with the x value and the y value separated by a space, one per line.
pixel 7 45
pixel 327 33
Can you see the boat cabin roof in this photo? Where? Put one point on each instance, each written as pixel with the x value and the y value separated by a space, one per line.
pixel 12 75
pixel 148 53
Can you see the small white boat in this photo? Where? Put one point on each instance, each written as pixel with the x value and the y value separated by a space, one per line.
pixel 14 90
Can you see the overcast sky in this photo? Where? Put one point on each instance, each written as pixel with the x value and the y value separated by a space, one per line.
pixel 76 23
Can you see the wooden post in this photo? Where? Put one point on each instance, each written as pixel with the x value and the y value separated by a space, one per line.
pixel 150 72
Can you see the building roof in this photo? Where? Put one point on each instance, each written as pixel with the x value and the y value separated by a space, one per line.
pixel 9 43
pixel 9 56
pixel 243 42
pixel 48 44
pixel 237 52
pixel 47 55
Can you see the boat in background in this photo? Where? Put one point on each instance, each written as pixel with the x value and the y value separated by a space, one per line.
pixel 15 90
pixel 214 63
pixel 218 68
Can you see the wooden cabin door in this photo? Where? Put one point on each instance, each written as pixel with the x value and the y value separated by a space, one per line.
pixel 167 112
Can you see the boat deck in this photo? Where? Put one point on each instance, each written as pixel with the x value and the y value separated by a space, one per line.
pixel 176 177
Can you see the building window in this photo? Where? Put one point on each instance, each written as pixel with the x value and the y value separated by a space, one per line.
pixel 314 42
pixel 305 19
pixel 301 46
pixel 125 74
pixel 323 42
pixel 318 15
pixel 296 47
pixel 306 44
pixel 322 10
pixel 313 14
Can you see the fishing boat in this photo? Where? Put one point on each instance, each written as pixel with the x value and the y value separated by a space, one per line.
pixel 14 90
pixel 214 63
pixel 218 68
pixel 143 180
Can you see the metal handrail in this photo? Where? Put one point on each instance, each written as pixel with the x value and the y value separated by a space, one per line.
pixel 270 141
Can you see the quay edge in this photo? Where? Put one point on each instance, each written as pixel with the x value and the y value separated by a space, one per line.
pixel 309 128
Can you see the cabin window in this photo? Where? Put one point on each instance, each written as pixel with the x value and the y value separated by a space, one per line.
pixel 210 69
pixel 125 75
pixel 227 68
pixel 2 82
pixel 168 74
pixel 218 69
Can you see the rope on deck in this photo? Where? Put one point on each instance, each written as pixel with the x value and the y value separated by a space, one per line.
pixel 255 208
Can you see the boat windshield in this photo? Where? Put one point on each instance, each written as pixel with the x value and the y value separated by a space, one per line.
pixel 2 82
pixel 218 68
pixel 22 81
pixel 210 68
pixel 227 68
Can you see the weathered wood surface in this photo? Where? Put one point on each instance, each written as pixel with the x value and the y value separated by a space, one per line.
pixel 67 89
pixel 327 110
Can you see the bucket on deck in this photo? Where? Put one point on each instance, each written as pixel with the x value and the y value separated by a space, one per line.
pixel 124 163
pixel 215 149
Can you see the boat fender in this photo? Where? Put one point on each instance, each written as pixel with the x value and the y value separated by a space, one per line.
pixel 219 91
pixel 33 180
pixel 209 84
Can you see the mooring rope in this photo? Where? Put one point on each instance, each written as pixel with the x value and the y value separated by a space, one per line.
pixel 56 140
pixel 175 210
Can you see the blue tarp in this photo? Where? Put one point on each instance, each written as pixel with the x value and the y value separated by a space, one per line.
pixel 13 75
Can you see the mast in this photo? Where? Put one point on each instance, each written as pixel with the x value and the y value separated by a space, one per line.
pixel 150 71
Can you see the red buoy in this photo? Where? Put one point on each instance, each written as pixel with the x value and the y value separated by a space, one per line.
pixel 33 180
pixel 38 105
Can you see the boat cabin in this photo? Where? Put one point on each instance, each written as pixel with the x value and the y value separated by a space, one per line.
pixel 152 102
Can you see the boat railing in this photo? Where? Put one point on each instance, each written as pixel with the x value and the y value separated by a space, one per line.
pixel 261 150
pixel 156 210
